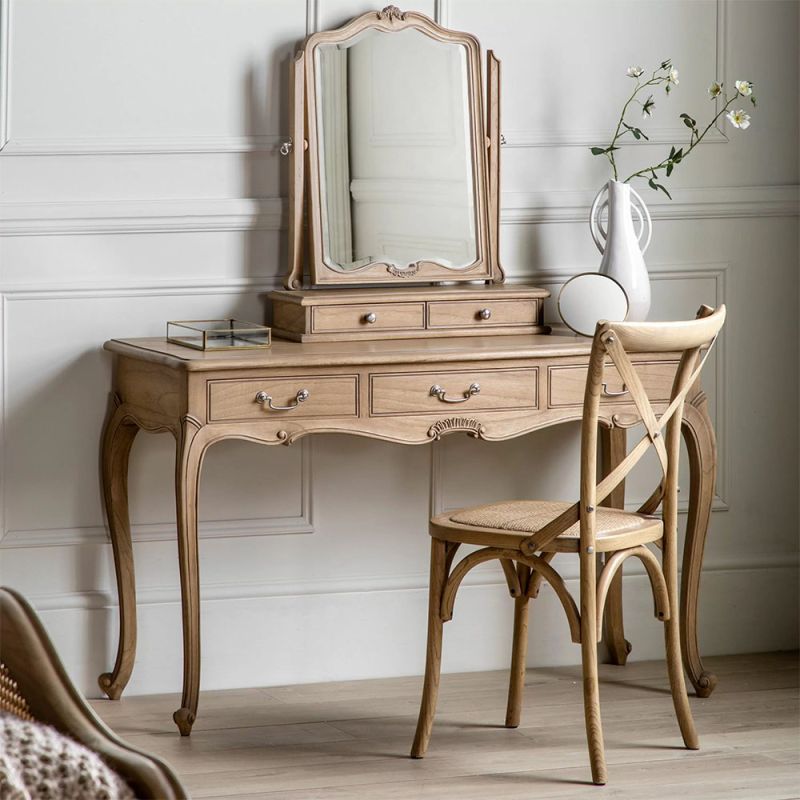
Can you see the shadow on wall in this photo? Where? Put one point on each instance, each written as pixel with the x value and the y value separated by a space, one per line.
pixel 265 172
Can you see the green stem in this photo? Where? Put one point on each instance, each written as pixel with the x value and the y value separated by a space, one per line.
pixel 692 144
pixel 639 86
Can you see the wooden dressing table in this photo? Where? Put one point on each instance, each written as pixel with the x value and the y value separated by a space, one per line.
pixel 408 391
pixel 395 167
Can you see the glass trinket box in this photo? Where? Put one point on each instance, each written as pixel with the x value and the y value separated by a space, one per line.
pixel 219 334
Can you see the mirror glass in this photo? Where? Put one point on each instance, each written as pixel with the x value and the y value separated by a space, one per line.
pixel 587 298
pixel 395 151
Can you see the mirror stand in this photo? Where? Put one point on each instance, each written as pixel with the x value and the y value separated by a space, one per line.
pixel 455 295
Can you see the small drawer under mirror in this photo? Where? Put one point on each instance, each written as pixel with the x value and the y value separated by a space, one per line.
pixel 340 314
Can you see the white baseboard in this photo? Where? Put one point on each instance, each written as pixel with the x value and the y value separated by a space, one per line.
pixel 368 631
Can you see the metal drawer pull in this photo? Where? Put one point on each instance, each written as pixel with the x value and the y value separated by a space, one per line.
pixel 606 393
pixel 485 313
pixel 370 318
pixel 439 393
pixel 300 397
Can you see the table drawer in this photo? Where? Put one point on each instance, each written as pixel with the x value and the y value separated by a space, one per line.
pixel 263 398
pixel 383 316
pixel 482 313
pixel 412 392
pixel 568 384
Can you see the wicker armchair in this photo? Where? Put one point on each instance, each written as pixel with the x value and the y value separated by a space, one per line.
pixel 35 686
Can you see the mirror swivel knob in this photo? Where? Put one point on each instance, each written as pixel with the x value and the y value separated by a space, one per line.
pixel 485 313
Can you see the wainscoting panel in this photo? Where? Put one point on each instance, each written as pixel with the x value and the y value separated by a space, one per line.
pixel 151 189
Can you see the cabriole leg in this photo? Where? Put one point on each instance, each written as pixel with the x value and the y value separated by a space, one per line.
pixel 120 431
pixel 698 433
pixel 187 475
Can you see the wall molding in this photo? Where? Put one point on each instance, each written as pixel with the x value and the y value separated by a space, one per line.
pixel 659 273
pixel 558 137
pixel 53 290
pixel 718 202
pixel 553 279
pixel 145 145
pixel 413 582
pixel 5 64
pixel 270 143
pixel 142 216
pixel 98 217
pixel 301 523
pixel 591 137
pixel 101 146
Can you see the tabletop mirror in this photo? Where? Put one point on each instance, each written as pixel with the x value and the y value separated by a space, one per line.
pixel 394 169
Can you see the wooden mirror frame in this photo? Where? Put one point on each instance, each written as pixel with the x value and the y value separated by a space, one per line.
pixel 305 166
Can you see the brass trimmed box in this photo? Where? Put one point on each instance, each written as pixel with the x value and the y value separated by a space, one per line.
pixel 219 334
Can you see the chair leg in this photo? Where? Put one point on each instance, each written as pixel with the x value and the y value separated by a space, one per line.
pixel 672 641
pixel 591 686
pixel 519 651
pixel 433 661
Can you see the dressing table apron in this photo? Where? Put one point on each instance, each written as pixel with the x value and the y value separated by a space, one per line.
pixel 405 391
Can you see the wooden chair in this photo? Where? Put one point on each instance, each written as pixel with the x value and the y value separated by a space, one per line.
pixel 525 535
pixel 35 686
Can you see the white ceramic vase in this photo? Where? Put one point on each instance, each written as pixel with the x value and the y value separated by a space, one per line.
pixel 622 245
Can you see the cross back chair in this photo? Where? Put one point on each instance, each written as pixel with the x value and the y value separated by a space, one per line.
pixel 525 535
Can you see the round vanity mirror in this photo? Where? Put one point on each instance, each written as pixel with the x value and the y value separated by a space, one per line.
pixel 589 297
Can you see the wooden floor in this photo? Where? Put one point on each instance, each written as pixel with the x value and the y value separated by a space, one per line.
pixel 351 740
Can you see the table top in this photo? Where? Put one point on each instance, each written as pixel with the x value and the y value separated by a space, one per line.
pixel 391 351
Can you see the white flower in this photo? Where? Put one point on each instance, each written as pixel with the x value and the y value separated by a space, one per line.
pixel 715 90
pixel 673 76
pixel 634 72
pixel 739 119
pixel 744 88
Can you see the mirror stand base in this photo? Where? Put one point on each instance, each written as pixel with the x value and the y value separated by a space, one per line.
pixel 337 315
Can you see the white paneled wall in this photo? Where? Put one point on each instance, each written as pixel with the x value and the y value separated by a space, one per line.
pixel 139 181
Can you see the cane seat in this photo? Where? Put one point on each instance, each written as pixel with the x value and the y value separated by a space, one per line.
pixel 509 523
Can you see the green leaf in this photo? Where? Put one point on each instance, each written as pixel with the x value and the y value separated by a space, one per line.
pixel 663 189
pixel 643 135
pixel 671 151
pixel 678 156
pixel 598 151
pixel 688 123
pixel 670 165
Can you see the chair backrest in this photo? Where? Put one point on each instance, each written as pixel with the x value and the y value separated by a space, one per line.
pixel 35 686
pixel 613 341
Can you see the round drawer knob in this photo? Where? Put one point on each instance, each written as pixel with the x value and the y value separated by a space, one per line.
pixel 485 313
pixel 370 318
